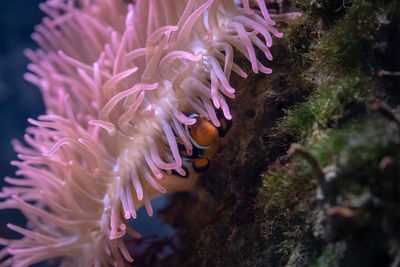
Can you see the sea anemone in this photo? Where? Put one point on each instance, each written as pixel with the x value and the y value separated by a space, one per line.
pixel 119 81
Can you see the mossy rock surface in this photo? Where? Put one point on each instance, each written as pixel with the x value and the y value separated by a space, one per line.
pixel 330 200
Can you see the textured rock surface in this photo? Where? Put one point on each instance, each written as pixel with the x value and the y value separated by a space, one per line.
pixel 332 199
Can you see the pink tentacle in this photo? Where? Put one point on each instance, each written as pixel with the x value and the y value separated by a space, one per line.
pixel 182 118
pixel 172 144
pixel 136 183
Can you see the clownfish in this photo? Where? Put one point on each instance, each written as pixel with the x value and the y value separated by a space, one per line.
pixel 205 138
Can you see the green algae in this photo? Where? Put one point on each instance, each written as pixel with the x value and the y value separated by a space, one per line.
pixel 324 107
pixel 328 257
pixel 351 142
pixel 286 184
pixel 348 45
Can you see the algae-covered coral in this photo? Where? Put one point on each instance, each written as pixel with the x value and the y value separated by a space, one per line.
pixel 316 159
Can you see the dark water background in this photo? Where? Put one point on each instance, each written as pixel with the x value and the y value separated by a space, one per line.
pixel 20 100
